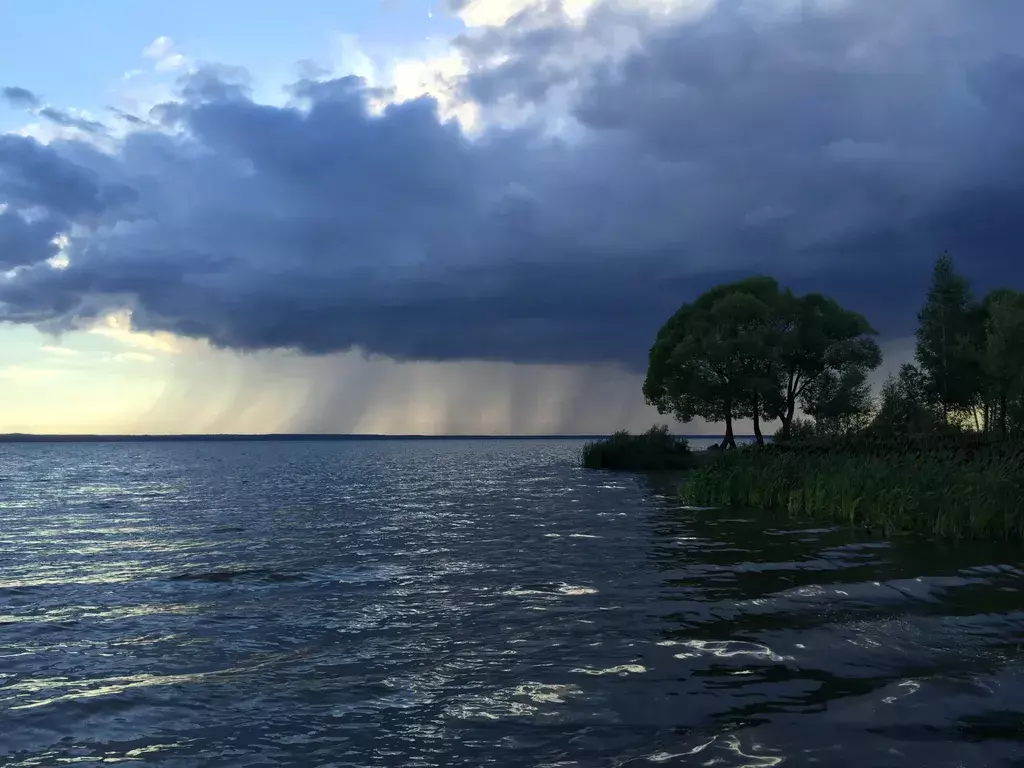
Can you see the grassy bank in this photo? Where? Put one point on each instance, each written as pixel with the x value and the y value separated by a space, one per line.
pixel 959 486
pixel 653 450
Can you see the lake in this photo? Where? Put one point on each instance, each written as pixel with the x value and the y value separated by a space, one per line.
pixel 470 603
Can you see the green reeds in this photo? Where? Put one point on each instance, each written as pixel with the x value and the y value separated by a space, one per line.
pixel 963 488
pixel 653 450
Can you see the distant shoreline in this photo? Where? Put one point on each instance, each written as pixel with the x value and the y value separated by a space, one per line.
pixel 29 438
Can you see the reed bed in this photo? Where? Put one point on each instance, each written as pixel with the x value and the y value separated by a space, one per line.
pixel 956 486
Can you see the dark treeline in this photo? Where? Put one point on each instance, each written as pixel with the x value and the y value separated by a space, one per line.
pixel 970 363
pixel 752 349
pixel 940 450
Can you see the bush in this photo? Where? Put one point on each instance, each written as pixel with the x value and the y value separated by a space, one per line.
pixel 798 429
pixel 946 485
pixel 653 450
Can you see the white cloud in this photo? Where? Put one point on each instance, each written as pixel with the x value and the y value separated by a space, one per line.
pixel 432 68
pixel 496 13
pixel 118 326
pixel 54 349
pixel 134 357
pixel 437 71
pixel 171 63
pixel 437 77
pixel 165 58
pixel 159 48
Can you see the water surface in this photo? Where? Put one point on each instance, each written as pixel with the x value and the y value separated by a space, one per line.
pixel 474 603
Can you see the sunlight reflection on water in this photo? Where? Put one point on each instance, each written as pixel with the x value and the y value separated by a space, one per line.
pixel 466 603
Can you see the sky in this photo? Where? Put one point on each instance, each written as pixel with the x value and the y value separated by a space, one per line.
pixel 469 216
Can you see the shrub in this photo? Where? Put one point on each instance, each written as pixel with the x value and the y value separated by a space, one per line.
pixel 655 449
pixel 798 429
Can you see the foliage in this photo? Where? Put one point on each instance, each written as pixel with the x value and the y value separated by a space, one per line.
pixel 971 355
pixel 950 337
pixel 1003 361
pixel 943 450
pixel 949 485
pixel 816 340
pixel 653 450
pixel 839 401
pixel 796 431
pixel 751 349
pixel 904 406
pixel 705 358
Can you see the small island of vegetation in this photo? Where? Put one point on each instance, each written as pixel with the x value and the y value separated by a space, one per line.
pixel 938 450
pixel 652 451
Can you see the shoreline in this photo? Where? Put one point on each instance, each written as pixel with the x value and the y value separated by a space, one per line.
pixel 293 437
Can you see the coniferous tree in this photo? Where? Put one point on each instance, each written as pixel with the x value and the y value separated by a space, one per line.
pixel 949 337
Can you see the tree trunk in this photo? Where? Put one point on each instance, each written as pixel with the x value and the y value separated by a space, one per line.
pixel 730 440
pixel 787 417
pixel 757 420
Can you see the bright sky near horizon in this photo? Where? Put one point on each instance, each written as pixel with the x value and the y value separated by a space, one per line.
pixel 207 226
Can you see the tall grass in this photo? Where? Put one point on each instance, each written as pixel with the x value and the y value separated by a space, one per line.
pixel 957 445
pixel 653 450
pixel 946 487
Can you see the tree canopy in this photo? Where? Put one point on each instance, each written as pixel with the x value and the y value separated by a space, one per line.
pixel 752 349
pixel 822 349
pixel 970 355
pixel 903 406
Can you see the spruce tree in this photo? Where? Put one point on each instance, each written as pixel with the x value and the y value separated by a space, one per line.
pixel 947 342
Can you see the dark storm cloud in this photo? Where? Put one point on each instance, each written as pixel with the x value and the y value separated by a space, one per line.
pixel 26 99
pixel 67 120
pixel 127 116
pixel 215 82
pixel 19 97
pixel 26 242
pixel 33 174
pixel 841 147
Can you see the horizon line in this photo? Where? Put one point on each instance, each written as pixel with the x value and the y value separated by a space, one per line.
pixel 25 437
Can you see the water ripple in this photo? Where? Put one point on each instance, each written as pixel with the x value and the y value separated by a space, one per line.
pixel 475 603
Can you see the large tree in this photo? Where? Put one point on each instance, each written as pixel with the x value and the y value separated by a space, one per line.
pixel 751 349
pixel 817 344
pixel 706 358
pixel 950 337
